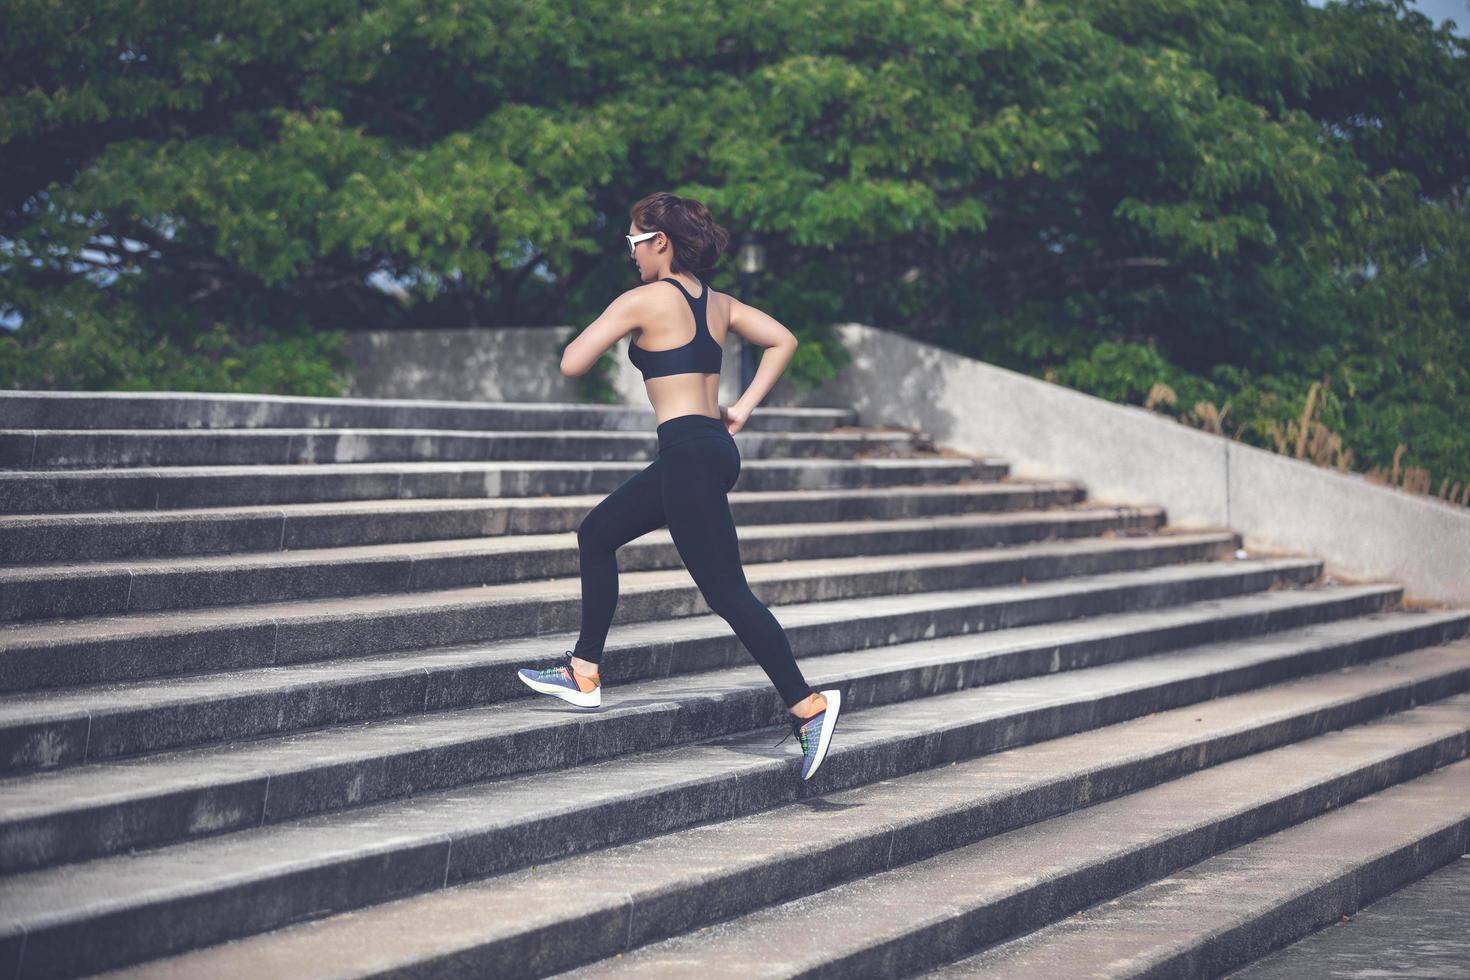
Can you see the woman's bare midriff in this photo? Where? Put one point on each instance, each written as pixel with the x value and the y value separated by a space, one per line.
pixel 684 394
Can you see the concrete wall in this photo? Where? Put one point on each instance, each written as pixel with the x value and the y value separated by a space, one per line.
pixel 1123 453
pixel 1128 455
pixel 518 364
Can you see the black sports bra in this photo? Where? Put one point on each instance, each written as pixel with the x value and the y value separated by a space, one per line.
pixel 702 354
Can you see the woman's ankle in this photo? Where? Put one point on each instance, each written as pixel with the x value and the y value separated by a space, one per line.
pixel 810 706
pixel 584 667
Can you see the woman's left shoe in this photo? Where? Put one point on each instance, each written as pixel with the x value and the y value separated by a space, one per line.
pixel 561 681
pixel 815 733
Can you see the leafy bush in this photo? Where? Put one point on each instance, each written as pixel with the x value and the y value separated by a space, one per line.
pixel 87 343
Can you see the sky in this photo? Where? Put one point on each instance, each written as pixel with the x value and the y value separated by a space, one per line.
pixel 1442 10
pixel 1437 11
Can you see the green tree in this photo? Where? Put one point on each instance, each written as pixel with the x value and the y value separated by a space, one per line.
pixel 1237 198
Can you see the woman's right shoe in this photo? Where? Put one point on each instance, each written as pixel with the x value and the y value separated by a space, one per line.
pixel 815 733
pixel 562 682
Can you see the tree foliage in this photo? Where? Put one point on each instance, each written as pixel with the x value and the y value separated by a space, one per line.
pixel 1237 198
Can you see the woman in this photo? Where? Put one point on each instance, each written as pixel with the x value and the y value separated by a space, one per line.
pixel 681 325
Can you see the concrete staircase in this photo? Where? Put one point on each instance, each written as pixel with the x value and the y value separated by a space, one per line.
pixel 258 711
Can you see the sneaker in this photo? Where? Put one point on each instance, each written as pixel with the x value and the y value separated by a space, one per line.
pixel 562 682
pixel 815 733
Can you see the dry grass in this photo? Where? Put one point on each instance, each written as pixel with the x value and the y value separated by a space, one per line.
pixel 1415 479
pixel 1308 438
pixel 1205 416
pixel 1159 394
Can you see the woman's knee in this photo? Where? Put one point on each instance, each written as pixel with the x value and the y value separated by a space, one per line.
pixel 735 603
pixel 592 535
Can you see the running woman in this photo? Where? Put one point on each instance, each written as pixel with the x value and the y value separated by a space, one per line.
pixel 678 326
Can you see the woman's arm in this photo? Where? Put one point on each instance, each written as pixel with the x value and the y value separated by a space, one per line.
pixel 622 315
pixel 779 343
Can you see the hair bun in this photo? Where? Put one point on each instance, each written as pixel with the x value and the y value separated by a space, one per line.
pixel 697 239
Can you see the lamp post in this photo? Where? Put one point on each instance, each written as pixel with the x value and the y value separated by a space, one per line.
pixel 750 261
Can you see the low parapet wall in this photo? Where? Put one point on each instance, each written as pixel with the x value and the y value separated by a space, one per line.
pixel 1123 453
pixel 1126 454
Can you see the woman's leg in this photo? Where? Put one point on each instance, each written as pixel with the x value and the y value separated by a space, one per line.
pixel 632 510
pixel 697 473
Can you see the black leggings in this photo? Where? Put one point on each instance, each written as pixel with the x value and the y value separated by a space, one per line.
pixel 684 487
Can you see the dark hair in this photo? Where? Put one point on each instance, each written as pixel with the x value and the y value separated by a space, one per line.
pixel 697 239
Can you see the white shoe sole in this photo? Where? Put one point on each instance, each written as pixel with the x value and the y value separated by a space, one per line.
pixel 829 725
pixel 587 699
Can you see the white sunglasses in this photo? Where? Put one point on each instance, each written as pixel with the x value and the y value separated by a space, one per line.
pixel 633 240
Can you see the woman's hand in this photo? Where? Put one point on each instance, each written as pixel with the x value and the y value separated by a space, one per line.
pixel 734 418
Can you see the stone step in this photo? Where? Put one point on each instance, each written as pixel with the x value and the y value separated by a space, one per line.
pixel 33 539
pixel 1132 616
pixel 69 652
pixel 24 492
pixel 125 908
pixel 190 410
pixel 1417 931
pixel 113 588
pixel 921 914
pixel 98 809
pixel 1228 909
pixel 583 908
pixel 112 448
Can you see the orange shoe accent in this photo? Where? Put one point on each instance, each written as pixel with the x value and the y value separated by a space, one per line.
pixel 591 682
pixel 816 711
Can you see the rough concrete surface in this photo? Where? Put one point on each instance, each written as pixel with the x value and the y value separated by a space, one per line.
pixel 1420 932
pixel 270 711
